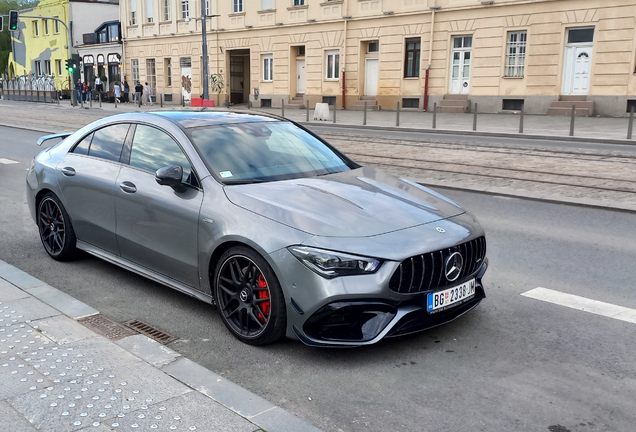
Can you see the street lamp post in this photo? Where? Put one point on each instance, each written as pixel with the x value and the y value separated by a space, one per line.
pixel 206 94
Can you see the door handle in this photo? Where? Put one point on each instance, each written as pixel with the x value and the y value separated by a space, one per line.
pixel 68 171
pixel 128 187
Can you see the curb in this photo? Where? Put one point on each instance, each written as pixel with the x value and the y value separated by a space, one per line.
pixel 476 133
pixel 233 397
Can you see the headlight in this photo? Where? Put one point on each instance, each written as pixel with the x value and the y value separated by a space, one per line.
pixel 331 264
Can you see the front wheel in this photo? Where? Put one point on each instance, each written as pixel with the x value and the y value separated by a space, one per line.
pixel 249 297
pixel 56 231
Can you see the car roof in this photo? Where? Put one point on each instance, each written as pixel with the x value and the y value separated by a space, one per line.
pixel 192 119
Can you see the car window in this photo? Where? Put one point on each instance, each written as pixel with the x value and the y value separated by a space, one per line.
pixel 108 141
pixel 153 149
pixel 82 147
pixel 264 151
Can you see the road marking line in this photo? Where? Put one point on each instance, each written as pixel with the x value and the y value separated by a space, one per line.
pixel 7 161
pixel 583 304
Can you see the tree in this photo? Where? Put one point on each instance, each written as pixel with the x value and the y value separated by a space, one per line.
pixel 5 35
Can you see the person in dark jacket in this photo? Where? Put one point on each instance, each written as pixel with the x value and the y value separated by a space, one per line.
pixel 139 89
pixel 126 90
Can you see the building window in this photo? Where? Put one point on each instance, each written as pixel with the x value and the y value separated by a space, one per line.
pixel 38 68
pixel 149 15
pixel 134 66
pixel 512 104
pixel 267 4
pixel 238 5
pixel 301 51
pixel 168 72
pixel 516 53
pixel 56 26
pixel 58 67
pixel 47 67
pixel 46 27
pixel 373 47
pixel 330 100
pixel 151 75
pixel 333 64
pixel 166 10
pixel 581 35
pixel 36 29
pixel 113 32
pixel 299 2
pixel 266 103
pixel 412 58
pixel 207 8
pixel 410 102
pixel 133 12
pixel 268 67
pixel 185 9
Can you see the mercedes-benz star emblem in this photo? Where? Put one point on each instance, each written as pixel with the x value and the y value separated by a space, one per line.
pixel 454 265
pixel 244 295
pixel 440 229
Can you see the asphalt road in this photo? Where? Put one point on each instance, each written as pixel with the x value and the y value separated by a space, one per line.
pixel 514 363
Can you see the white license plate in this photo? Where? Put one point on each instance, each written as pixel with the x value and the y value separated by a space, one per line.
pixel 441 300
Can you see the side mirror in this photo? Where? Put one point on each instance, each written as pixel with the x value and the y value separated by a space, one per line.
pixel 170 176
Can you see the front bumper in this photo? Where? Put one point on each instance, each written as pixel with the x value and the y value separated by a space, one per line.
pixel 356 323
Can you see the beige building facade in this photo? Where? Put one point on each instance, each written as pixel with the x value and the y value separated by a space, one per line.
pixel 539 54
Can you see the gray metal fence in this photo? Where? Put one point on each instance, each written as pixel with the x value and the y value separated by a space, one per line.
pixel 31 88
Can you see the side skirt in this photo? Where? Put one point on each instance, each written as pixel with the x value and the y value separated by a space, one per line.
pixel 143 271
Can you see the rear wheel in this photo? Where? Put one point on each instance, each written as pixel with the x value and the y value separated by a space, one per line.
pixel 56 231
pixel 249 297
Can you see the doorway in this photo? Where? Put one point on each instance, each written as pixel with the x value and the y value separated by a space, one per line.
pixel 371 68
pixel 577 63
pixel 300 72
pixel 239 76
pixel 460 64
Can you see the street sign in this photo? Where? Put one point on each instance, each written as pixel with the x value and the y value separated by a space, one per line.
pixel 13 20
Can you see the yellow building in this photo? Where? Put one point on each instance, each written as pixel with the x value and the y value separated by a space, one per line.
pixel 41 46
pixel 543 55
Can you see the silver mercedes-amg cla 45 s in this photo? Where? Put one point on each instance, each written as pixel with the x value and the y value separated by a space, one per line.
pixel 258 215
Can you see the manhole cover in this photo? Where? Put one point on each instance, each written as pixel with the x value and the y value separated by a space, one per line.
pixel 106 327
pixel 150 331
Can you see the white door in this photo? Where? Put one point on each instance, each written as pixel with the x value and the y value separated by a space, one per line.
pixel 576 72
pixel 460 65
pixel 300 70
pixel 371 68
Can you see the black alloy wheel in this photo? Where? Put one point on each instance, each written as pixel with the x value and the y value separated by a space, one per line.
pixel 56 232
pixel 249 297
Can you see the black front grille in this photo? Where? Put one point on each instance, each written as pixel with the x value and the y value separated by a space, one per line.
pixel 426 272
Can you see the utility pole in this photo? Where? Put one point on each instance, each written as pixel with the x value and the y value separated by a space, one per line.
pixel 205 52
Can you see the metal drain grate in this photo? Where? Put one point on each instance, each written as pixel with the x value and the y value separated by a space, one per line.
pixel 106 327
pixel 150 331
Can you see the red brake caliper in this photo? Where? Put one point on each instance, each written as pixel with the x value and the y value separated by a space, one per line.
pixel 263 294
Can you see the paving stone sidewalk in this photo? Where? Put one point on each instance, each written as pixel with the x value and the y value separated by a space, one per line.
pixel 57 118
pixel 57 376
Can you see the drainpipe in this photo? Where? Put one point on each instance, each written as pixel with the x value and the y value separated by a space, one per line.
pixel 430 55
pixel 344 51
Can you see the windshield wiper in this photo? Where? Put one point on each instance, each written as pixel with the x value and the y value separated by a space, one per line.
pixel 240 182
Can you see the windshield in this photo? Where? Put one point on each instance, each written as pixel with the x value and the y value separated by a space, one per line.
pixel 264 151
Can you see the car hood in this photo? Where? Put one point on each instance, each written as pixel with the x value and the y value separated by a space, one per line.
pixel 358 203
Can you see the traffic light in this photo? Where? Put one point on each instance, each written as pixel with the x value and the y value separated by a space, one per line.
pixel 13 20
pixel 70 66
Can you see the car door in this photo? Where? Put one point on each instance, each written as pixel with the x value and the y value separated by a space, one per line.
pixel 87 177
pixel 157 226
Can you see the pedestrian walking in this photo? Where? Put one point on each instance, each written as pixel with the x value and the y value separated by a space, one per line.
pixel 117 91
pixel 89 90
pixel 138 92
pixel 126 90
pixel 99 86
pixel 84 91
pixel 80 88
pixel 148 91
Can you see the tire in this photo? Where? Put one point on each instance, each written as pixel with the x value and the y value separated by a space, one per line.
pixel 56 232
pixel 249 298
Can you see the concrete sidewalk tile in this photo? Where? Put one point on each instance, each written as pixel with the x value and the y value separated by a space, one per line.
pixel 63 329
pixel 100 428
pixel 218 388
pixel 19 278
pixel 9 291
pixel 86 398
pixel 13 421
pixel 18 377
pixel 149 350
pixel 18 338
pixel 189 412
pixel 62 301
pixel 25 309
pixel 279 420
